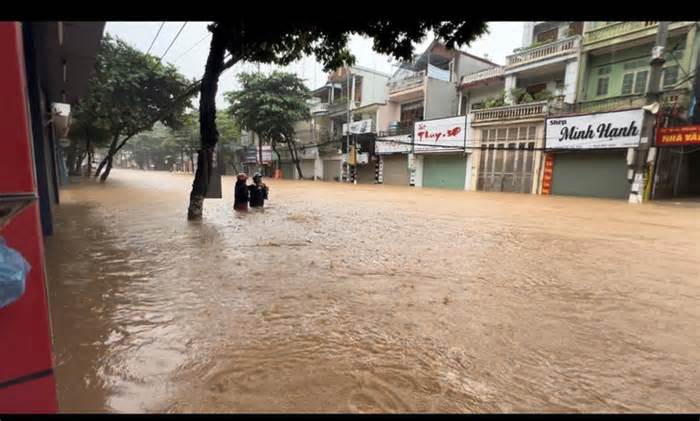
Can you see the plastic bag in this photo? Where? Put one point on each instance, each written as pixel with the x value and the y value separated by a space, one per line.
pixel 13 273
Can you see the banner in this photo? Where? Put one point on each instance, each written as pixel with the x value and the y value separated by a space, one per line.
pixel 393 144
pixel 617 129
pixel 439 135
pixel 358 127
pixel 678 136
pixel 438 73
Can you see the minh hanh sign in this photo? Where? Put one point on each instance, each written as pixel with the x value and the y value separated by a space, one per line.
pixel 678 136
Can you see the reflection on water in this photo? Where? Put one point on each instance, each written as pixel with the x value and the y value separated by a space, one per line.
pixel 371 299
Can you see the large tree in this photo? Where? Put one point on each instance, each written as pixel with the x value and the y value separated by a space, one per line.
pixel 269 105
pixel 86 135
pixel 130 91
pixel 254 39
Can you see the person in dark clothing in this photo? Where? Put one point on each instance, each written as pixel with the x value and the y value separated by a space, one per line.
pixel 240 193
pixel 257 192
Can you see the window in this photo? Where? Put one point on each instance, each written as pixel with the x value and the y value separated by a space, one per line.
pixel 670 76
pixel 531 132
pixel 602 88
pixel 603 81
pixel 513 133
pixel 627 83
pixel 560 85
pixel 547 36
pixel 640 82
pixel 477 106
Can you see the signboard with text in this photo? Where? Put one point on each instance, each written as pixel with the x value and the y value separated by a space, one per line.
pixel 618 129
pixel 358 127
pixel 440 134
pixel 393 144
pixel 678 136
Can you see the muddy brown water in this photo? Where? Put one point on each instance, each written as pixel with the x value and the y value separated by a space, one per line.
pixel 371 299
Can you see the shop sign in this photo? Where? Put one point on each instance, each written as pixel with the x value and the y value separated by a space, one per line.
pixel 678 136
pixel 618 129
pixel 437 135
pixel 358 127
pixel 393 144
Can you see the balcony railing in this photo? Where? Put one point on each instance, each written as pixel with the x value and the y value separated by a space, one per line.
pixel 404 84
pixel 560 47
pixel 320 108
pixel 483 75
pixel 511 112
pixel 615 30
pixel 678 96
pixel 402 128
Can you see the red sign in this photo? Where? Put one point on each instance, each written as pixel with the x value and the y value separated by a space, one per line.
pixel 678 136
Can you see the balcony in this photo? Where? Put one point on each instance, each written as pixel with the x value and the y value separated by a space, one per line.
pixel 678 96
pixel 625 31
pixel 510 112
pixel 401 128
pixel 495 72
pixel 319 108
pixel 407 83
pixel 553 49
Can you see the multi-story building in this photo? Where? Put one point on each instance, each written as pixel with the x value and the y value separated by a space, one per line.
pixel 507 106
pixel 424 90
pixel 352 92
pixel 613 81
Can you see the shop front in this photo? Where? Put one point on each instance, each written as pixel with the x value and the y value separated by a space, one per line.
pixel 588 153
pixel 677 166
pixel 393 152
pixel 441 160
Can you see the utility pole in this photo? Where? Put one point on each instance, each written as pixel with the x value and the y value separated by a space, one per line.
pixel 347 136
pixel 653 95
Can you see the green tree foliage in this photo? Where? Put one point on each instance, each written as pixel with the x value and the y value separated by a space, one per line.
pixel 129 92
pixel 269 106
pixel 253 39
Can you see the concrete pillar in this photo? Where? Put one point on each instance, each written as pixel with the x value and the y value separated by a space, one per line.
pixel 318 168
pixel 352 95
pixel 528 28
pixel 582 77
pixel 418 172
pixel 468 173
pixel 689 55
pixel 570 79
pixel 510 84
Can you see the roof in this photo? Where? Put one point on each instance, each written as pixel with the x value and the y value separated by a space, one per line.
pixel 366 69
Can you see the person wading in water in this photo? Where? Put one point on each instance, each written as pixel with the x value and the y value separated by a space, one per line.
pixel 240 193
pixel 257 192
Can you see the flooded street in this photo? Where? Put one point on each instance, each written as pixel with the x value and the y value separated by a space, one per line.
pixel 371 299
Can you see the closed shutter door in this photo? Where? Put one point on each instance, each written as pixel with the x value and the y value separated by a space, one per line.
pixel 396 170
pixel 444 171
pixel 592 174
pixel 307 169
pixel 331 170
pixel 366 173
pixel 287 170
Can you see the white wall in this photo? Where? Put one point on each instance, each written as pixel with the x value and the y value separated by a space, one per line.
pixel 467 65
pixel 374 87
pixel 441 99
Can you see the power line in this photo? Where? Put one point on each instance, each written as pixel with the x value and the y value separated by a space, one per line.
pixel 192 47
pixel 173 41
pixel 154 38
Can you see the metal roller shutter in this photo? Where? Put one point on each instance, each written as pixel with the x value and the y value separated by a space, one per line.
pixel 593 174
pixel 307 169
pixel 396 170
pixel 444 171
pixel 331 170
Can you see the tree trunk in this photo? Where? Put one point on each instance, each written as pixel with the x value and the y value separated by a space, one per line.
pixel 260 161
pixel 207 123
pixel 107 162
pixel 295 157
pixel 279 158
pixel 79 164
pixel 88 148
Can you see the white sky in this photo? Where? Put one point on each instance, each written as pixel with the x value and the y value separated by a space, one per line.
pixel 190 57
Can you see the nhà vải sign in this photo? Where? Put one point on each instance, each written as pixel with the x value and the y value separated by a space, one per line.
pixel 678 136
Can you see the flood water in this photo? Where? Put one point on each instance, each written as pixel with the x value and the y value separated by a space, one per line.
pixel 371 299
